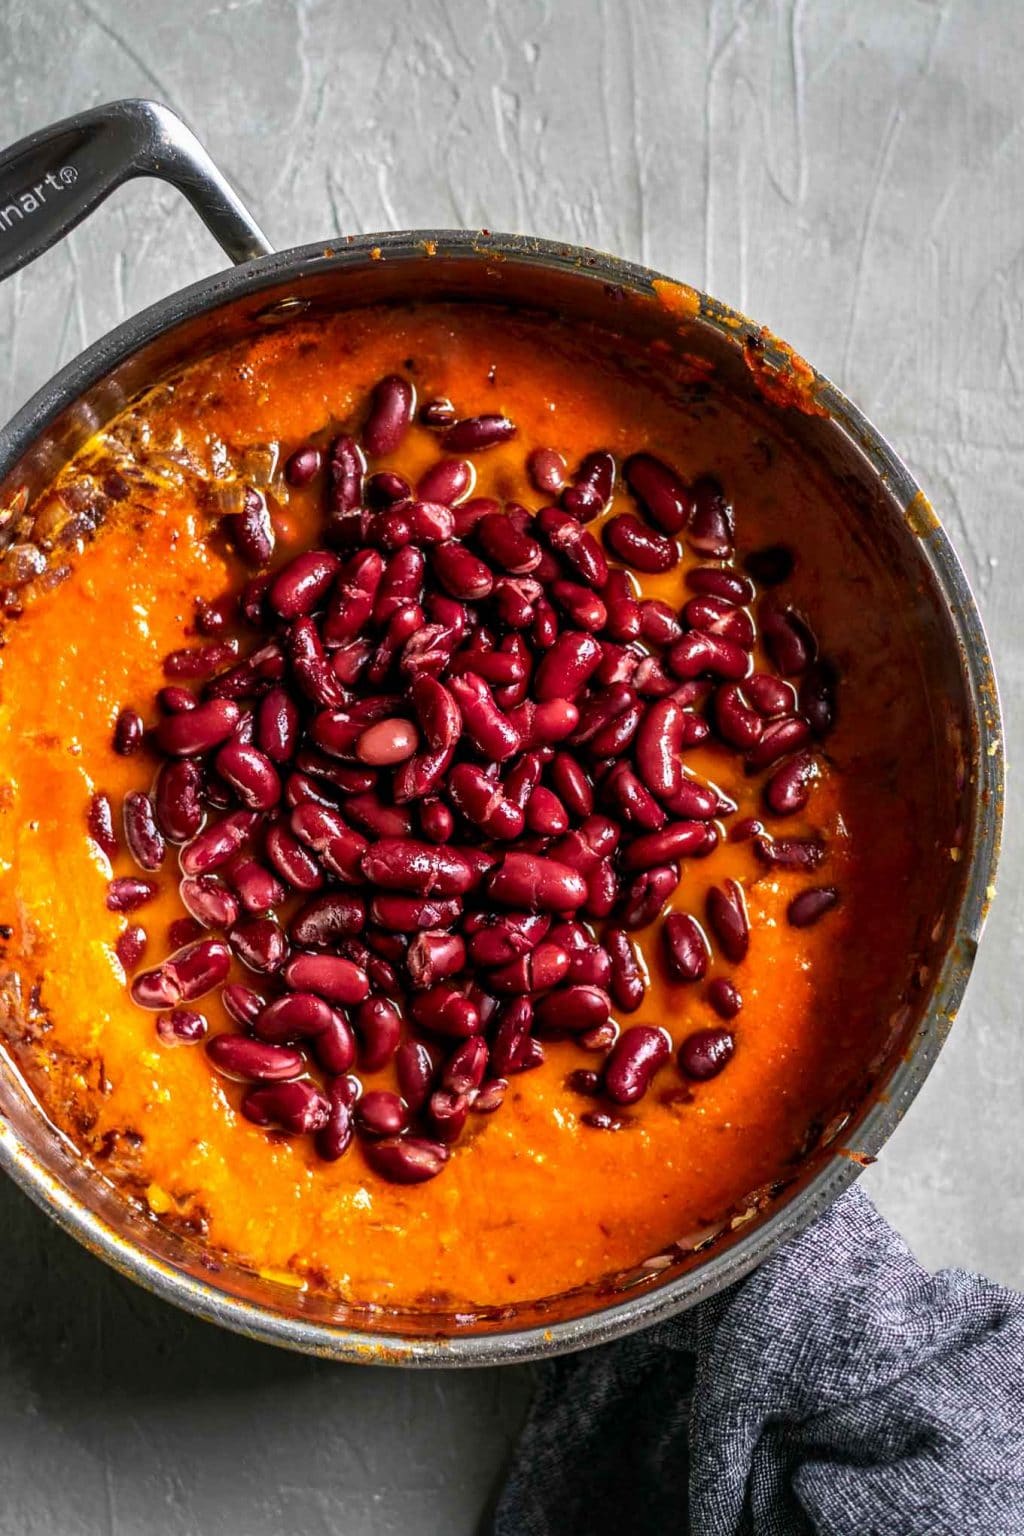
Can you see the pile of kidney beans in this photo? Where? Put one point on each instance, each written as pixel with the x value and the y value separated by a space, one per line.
pixel 431 799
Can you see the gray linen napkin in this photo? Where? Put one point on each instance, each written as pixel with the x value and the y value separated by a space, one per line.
pixel 839 1389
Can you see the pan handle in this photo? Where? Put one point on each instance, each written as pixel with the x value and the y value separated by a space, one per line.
pixel 52 179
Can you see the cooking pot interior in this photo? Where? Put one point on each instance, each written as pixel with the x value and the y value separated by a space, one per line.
pixel 706 351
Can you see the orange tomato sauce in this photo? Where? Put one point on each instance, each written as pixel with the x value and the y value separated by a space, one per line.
pixel 531 1203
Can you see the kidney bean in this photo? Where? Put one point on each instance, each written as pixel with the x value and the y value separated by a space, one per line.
pixel 710 529
pixel 592 486
pixel 337 846
pixel 658 744
pixel 198 730
pixel 546 469
pixel 578 548
pixel 406 1159
pixel 414 1068
pixel 624 617
pixel 660 492
pixel 737 723
pixel 298 587
pixel 504 939
pixel 403 864
pixel 552 720
pixel 371 815
pixel 573 787
pixel 208 901
pixel 676 840
pixel 507 546
pixel 254 1060
pixel 626 983
pixel 385 488
pixel 615 737
pixel 779 738
pixel 466 1068
pixel 490 1096
pixel 259 943
pixel 704 1053
pixel 818 696
pixel 632 800
pixel 184 930
pixel 437 413
pixel 433 956
pixel 251 601
pixel 584 608
pixel 250 774
pixel 406 914
pixel 789 788
pixel 523 880
pixel 658 623
pixel 790 852
pixel 215 845
pixel 444 1009
pixel 144 838
pixel 391 410
pixel 181 1027
pixel 635 1057
pixel 746 828
pixel 446 1114
pixel 619 664
pixel 630 541
pixel 309 664
pixel 717 616
pixel 770 696
pixel 698 652
pixel 277 725
pixel 545 813
pixel 574 1009
pixel 810 906
pixel 325 919
pixel 242 1004
pixel 447 482
pixel 295 1016
pixel 685 947
pixel 786 637
pixel 329 976
pixel 491 732
pixel 294 863
pixel 728 921
pixel 335 1046
pixel 198 968
pixel 380 1031
pixel 381 1113
pixel 698 802
pixel 771 566
pixel 357 589
pixel 335 1135
pixel 460 572
pixel 475 433
pixel 724 997
pixel 156 989
pixel 252 529
pixel 543 968
pixel 100 823
pixel 436 820
pixel 297 1107
pixel 127 894
pixel 722 582
pixel 130 946
pixel 302 466
pixel 522 779
pixel 192 661
pixel 646 895
pixel 566 668
pixel 484 802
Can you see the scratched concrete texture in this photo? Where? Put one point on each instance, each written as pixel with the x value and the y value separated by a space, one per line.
pixel 847 171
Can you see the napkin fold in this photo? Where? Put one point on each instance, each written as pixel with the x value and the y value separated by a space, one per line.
pixel 839 1389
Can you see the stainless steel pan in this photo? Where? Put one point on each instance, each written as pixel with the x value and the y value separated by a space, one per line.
pixel 48 183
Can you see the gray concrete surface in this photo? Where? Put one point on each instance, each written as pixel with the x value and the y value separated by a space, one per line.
pixel 850 172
